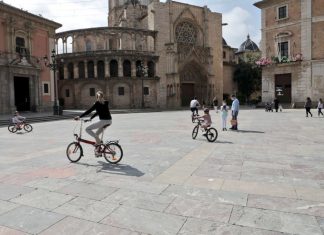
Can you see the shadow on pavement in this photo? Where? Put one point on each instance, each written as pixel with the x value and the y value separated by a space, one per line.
pixel 224 142
pixel 216 142
pixel 248 131
pixel 119 169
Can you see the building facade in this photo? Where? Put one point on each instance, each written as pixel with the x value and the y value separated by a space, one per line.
pixel 292 46
pixel 152 54
pixel 230 60
pixel 25 83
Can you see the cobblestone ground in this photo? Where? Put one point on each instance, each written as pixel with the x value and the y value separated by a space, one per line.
pixel 267 178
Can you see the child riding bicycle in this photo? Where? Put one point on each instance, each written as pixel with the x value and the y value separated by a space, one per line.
pixel 206 120
pixel 18 120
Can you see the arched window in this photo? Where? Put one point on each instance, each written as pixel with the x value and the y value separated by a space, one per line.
pixel 138 68
pixel 60 46
pixel 186 33
pixel 88 45
pixel 127 68
pixel 90 69
pixel 20 45
pixel 113 67
pixel 81 69
pixel 168 90
pixel 101 69
pixel 151 69
pixel 70 71
pixel 69 46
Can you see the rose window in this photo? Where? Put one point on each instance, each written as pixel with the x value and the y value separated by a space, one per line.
pixel 186 33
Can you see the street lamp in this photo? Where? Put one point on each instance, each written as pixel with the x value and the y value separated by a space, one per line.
pixel 53 66
pixel 143 71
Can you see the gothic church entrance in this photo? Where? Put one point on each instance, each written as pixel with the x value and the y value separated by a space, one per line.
pixel 193 83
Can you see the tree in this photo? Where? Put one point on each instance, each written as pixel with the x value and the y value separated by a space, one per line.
pixel 248 78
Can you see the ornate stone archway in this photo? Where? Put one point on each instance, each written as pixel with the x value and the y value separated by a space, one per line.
pixel 193 82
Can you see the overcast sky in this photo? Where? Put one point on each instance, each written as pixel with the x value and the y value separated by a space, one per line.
pixel 242 17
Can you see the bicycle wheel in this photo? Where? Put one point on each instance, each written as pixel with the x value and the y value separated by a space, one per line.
pixel 74 152
pixel 195 132
pixel 28 127
pixel 211 134
pixel 12 128
pixel 113 153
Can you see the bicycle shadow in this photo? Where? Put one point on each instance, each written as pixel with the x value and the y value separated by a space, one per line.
pixel 216 142
pixel 120 169
pixel 21 133
pixel 249 131
pixel 116 169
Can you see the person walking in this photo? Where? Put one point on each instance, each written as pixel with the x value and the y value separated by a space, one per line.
pixel 215 104
pixel 308 106
pixel 235 110
pixel 276 104
pixel 224 111
pixel 320 107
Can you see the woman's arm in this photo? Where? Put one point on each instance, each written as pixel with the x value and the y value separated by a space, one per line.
pixel 89 110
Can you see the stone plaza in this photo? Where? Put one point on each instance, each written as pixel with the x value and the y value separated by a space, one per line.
pixel 267 178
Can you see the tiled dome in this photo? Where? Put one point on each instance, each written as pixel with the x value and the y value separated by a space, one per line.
pixel 248 45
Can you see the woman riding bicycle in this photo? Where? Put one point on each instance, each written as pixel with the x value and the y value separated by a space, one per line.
pixel 101 106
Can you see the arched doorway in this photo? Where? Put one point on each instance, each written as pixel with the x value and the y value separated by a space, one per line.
pixel 193 82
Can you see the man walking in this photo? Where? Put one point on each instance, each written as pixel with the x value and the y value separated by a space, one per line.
pixel 235 110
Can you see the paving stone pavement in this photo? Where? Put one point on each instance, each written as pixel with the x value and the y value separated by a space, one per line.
pixel 265 179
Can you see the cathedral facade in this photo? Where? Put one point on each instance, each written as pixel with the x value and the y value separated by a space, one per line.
pixel 152 54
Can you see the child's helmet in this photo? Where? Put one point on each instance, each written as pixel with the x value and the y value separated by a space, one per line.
pixel 206 110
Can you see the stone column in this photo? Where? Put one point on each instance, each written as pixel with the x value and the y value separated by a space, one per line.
pixel 120 67
pixel 95 67
pixel 306 79
pixel 133 42
pixel 11 92
pixel 65 71
pixel 133 68
pixel 85 69
pixel 76 70
pixel 107 74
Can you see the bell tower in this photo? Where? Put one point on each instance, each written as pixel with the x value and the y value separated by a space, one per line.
pixel 127 13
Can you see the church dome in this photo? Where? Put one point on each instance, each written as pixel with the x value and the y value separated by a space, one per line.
pixel 248 45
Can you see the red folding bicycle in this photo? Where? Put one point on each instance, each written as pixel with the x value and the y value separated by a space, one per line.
pixel 110 150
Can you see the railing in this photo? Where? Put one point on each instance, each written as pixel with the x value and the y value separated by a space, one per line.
pixel 276 60
pixel 107 53
pixel 112 78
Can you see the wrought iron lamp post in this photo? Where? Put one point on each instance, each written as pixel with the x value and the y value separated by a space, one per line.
pixel 52 65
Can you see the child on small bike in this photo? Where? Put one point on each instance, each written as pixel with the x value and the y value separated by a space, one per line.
pixel 17 119
pixel 206 119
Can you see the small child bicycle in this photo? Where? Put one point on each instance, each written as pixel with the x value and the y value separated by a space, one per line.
pixel 111 150
pixel 14 127
pixel 210 132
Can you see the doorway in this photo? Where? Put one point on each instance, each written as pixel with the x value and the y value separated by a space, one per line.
pixel 187 93
pixel 283 87
pixel 22 94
